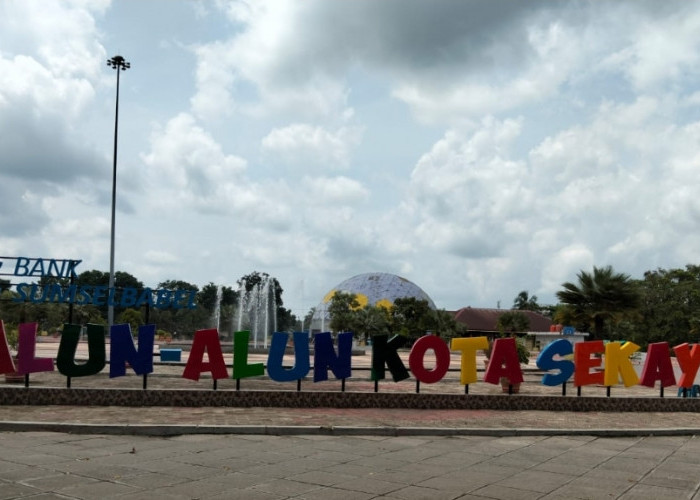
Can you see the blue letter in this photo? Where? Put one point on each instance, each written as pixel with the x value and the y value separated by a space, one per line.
pixel 325 357
pixel 301 357
pixel 545 362
pixel 123 350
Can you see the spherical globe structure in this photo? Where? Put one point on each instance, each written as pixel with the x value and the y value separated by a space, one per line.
pixel 374 289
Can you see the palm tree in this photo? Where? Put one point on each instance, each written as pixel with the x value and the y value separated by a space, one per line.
pixel 599 298
pixel 371 320
pixel 526 302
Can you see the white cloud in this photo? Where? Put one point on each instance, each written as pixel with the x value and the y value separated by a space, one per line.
pixel 337 190
pixel 482 150
pixel 306 145
pixel 185 158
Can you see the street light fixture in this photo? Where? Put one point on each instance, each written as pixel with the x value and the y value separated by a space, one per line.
pixel 118 63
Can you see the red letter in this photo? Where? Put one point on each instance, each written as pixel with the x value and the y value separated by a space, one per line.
pixel 206 340
pixel 658 366
pixel 417 355
pixel 6 364
pixel 583 363
pixel 504 362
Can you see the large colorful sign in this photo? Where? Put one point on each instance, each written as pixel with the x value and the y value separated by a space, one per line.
pixel 206 356
pixel 97 295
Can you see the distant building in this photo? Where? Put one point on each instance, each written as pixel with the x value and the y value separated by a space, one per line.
pixel 480 321
pixel 370 289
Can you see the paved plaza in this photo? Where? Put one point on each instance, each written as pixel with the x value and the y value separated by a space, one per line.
pixel 57 465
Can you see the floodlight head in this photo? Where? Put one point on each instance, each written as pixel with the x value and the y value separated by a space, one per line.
pixel 118 62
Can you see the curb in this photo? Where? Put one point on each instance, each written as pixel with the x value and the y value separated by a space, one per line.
pixel 166 430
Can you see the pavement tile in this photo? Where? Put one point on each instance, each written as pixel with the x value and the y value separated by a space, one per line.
pixel 368 485
pixel 15 490
pixel 648 492
pixel 629 465
pixel 25 472
pixel 247 495
pixel 285 487
pixel 505 493
pixel 47 496
pixel 188 471
pixel 684 476
pixel 99 489
pixel 455 460
pixel 403 477
pixel 152 480
pixel 380 462
pixel 591 488
pixel 321 478
pixel 58 482
pixel 491 467
pixel 420 493
pixel 240 480
pixel 464 482
pixel 96 470
pixel 538 481
pixel 279 470
pixel 326 493
pixel 354 470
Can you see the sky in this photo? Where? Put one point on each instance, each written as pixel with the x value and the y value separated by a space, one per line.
pixel 474 148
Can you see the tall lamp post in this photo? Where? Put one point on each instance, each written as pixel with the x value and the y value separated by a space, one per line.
pixel 118 63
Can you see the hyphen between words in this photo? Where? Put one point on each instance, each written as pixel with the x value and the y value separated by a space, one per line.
pixel 585 367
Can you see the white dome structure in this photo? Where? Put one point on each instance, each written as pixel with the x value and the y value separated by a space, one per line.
pixel 373 289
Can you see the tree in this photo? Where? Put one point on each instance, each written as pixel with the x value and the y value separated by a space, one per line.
pixel 133 317
pixel 446 325
pixel 207 297
pixel 669 308
pixel 513 322
pixel 101 278
pixel 600 300
pixel 412 317
pixel 177 285
pixel 524 302
pixel 371 320
pixel 341 311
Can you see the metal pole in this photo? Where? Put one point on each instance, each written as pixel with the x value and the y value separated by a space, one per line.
pixel 118 63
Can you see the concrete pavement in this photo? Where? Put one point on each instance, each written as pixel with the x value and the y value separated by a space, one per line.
pixel 57 465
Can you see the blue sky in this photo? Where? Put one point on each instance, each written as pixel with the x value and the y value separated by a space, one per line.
pixel 474 148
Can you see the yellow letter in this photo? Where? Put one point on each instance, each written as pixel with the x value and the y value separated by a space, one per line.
pixel 468 346
pixel 617 360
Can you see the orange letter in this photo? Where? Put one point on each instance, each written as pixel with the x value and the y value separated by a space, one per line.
pixel 689 361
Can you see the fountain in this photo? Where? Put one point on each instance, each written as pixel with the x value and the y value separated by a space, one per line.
pixel 257 309
pixel 216 316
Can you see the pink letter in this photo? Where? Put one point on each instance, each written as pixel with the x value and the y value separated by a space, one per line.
pixel 26 360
